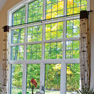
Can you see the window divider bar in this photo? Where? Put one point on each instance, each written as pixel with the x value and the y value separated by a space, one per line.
pixel 44 9
pixel 63 79
pixel 46 41
pixel 64 42
pixel 46 22
pixel 43 39
pixel 42 76
pixel 65 7
pixel 45 61
pixel 25 40
pixel 26 13
pixel 24 79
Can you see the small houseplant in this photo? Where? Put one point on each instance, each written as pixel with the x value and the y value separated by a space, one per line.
pixel 33 84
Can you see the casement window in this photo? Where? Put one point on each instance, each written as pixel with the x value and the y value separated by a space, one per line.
pixel 44 45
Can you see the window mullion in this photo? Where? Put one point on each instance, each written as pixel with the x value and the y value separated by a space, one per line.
pixel 25 40
pixel 64 42
pixel 44 9
pixel 63 65
pixel 65 7
pixel 42 72
pixel 88 5
pixel 43 39
pixel 63 78
pixel 26 13
pixel 24 64
pixel 24 79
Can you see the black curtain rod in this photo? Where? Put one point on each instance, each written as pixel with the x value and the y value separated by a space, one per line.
pixel 50 19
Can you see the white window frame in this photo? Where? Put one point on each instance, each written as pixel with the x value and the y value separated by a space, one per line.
pixel 62 61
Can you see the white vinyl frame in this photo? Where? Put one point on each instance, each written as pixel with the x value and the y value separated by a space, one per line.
pixel 42 62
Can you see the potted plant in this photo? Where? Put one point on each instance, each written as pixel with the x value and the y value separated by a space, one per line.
pixel 33 84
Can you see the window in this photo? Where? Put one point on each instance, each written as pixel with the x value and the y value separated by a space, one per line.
pixel 44 45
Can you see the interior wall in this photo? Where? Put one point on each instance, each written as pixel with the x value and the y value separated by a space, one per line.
pixel 3 21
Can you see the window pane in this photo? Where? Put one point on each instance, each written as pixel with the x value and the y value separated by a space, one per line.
pixel 53 50
pixel 34 33
pixel 35 11
pixel 17 53
pixel 73 28
pixel 54 8
pixel 34 52
pixel 17 36
pixel 73 78
pixel 74 6
pixel 52 78
pixel 33 71
pixel 54 31
pixel 19 16
pixel 16 79
pixel 72 49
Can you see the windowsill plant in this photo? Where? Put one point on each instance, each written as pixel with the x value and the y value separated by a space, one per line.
pixel 33 84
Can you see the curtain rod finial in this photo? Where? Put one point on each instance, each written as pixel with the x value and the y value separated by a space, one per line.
pixel 6 28
pixel 83 14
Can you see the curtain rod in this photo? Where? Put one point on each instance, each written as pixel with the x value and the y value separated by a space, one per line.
pixel 6 27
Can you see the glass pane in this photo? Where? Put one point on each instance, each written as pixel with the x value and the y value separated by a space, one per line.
pixel 54 8
pixel 17 36
pixel 73 28
pixel 72 49
pixel 19 16
pixel 33 71
pixel 53 50
pixel 73 78
pixel 35 11
pixel 34 52
pixel 34 33
pixel 52 78
pixel 17 53
pixel 74 6
pixel 16 79
pixel 54 31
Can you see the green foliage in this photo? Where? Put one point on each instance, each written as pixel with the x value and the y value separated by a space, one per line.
pixel 34 52
pixel 19 92
pixel 52 76
pixel 17 52
pixel 74 6
pixel 72 49
pixel 19 16
pixel 35 11
pixel 73 77
pixel 53 50
pixel 17 75
pixel 34 33
pixel 17 36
